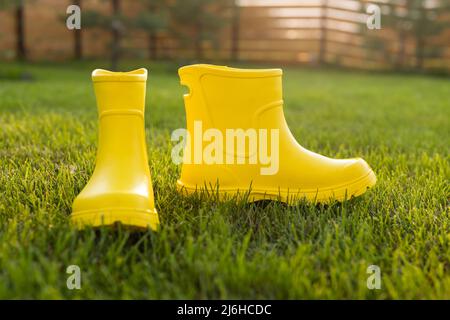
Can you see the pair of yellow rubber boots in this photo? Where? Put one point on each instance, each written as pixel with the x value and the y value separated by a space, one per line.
pixel 220 100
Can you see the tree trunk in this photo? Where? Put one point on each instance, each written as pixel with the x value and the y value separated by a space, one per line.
pixel 115 33
pixel 152 46
pixel 420 53
pixel 420 44
pixel 235 33
pixel 199 36
pixel 152 39
pixel 198 41
pixel 20 31
pixel 78 42
pixel 399 63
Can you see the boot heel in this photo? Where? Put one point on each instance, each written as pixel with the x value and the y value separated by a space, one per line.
pixel 136 219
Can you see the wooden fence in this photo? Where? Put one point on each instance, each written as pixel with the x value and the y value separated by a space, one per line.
pixel 281 31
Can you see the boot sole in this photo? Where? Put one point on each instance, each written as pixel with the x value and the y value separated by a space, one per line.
pixel 326 195
pixel 133 219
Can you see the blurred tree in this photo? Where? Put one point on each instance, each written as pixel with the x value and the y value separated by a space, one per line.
pixel 198 20
pixel 152 20
pixel 415 20
pixel 114 23
pixel 19 11
pixel 116 28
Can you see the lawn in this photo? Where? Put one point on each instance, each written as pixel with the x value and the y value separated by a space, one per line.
pixel 205 249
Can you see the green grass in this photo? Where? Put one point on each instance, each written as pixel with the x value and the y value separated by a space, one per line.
pixel 398 123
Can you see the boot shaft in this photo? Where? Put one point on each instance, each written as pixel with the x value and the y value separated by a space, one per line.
pixel 243 105
pixel 224 98
pixel 120 91
pixel 121 105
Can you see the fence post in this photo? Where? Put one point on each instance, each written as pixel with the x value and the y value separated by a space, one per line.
pixel 323 32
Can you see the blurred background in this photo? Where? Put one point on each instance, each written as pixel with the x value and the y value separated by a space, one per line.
pixel 414 34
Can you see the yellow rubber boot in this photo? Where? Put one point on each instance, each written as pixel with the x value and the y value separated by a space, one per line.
pixel 223 98
pixel 120 189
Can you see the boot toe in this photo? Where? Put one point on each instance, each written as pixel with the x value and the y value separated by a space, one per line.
pixel 357 168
